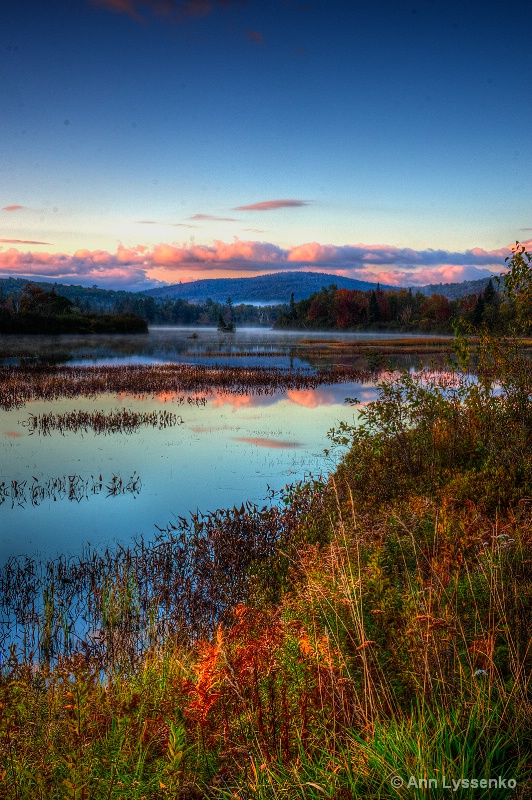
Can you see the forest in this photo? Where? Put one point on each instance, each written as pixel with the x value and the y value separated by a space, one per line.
pixel 329 309
pixel 397 310
pixel 155 311
pixel 37 311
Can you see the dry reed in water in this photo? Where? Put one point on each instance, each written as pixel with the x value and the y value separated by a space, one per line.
pixel 67 487
pixel 121 420
pixel 20 384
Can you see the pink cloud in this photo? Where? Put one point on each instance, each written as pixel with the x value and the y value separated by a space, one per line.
pixel 138 266
pixel 214 219
pixel 313 252
pixel 13 434
pixel 270 205
pixel 21 241
pixel 12 208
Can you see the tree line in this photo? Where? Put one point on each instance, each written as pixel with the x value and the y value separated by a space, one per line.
pixel 329 309
pixel 155 311
pixel 36 311
pixel 400 309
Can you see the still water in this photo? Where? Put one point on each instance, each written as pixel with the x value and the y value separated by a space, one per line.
pixel 231 449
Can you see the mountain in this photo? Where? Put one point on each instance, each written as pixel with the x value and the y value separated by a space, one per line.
pixel 453 290
pixel 266 289
pixel 274 288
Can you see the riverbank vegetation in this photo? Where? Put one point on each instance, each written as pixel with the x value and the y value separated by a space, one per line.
pixel 39 312
pixel 398 310
pixel 155 311
pixel 366 636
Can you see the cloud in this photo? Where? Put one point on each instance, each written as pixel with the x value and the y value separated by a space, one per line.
pixel 271 205
pixel 176 10
pixel 136 266
pixel 214 219
pixel 21 241
pixel 183 225
pixel 255 36
pixel 12 208
pixel 146 222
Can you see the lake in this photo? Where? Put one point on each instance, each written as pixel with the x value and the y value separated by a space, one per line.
pixel 64 490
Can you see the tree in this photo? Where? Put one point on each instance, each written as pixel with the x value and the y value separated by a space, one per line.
pixel 293 309
pixel 517 287
pixel 478 312
pixel 35 300
pixel 373 308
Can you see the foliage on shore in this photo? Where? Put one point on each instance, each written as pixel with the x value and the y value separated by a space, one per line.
pixel 155 311
pixel 398 309
pixel 376 632
pixel 40 312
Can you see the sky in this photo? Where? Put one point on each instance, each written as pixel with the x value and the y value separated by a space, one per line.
pixel 145 142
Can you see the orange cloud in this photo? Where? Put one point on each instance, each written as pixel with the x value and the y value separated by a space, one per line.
pixel 258 441
pixel 12 208
pixel 13 434
pixel 270 205
pixel 313 252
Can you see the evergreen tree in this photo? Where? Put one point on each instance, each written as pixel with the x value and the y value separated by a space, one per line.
pixel 477 316
pixel 491 298
pixel 373 308
pixel 293 309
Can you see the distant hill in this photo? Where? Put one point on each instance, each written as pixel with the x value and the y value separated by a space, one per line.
pixel 274 288
pixel 267 289
pixel 453 290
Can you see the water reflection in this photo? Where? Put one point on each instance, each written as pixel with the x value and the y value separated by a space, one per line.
pixel 174 344
pixel 229 449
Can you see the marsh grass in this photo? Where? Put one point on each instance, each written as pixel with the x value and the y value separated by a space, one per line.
pixel 21 384
pixel 120 420
pixel 67 487
pixel 383 658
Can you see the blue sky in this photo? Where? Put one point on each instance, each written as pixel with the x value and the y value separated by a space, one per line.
pixel 172 140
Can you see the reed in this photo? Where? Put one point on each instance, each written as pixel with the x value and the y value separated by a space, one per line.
pixel 21 384
pixel 120 420
pixel 67 487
